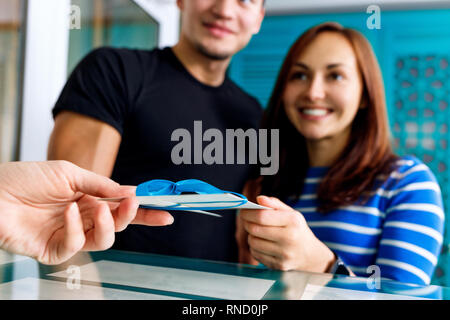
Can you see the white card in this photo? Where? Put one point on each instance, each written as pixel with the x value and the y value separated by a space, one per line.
pixel 223 201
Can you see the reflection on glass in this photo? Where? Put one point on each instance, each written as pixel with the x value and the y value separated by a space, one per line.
pixel 117 23
pixel 10 65
pixel 388 289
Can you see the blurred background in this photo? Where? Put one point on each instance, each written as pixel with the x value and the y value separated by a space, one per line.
pixel 41 41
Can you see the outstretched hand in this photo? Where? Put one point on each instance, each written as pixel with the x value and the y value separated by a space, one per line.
pixel 50 211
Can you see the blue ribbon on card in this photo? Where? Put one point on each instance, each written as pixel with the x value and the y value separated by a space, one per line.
pixel 168 188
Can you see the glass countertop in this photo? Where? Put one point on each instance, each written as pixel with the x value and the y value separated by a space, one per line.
pixel 121 275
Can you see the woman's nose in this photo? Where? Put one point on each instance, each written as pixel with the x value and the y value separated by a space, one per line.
pixel 316 89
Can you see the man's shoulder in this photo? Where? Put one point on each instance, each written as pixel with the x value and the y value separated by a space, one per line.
pixel 244 96
pixel 111 54
pixel 133 66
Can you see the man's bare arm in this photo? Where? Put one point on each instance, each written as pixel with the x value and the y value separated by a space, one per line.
pixel 84 141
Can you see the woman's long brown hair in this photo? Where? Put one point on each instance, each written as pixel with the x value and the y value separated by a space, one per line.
pixel 368 152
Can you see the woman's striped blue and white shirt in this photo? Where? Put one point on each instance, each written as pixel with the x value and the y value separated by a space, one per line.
pixel 400 228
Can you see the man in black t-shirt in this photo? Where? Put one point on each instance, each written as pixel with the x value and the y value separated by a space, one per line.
pixel 119 108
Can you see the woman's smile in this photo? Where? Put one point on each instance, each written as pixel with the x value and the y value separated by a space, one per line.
pixel 314 113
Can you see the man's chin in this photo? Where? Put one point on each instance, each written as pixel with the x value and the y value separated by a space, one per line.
pixel 214 54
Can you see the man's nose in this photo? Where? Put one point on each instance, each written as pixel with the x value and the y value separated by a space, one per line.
pixel 224 8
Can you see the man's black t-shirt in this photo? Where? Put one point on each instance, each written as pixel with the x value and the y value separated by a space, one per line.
pixel 146 96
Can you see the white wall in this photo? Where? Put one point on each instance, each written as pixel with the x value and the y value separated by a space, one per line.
pixel 46 54
pixel 167 15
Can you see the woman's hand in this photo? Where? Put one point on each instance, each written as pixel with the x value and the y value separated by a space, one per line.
pixel 242 240
pixel 281 239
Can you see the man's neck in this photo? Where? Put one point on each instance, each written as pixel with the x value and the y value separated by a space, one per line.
pixel 207 71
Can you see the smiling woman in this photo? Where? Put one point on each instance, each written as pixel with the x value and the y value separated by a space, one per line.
pixel 351 199
pixel 322 98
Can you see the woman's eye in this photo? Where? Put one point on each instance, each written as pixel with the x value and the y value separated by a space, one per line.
pixel 299 76
pixel 336 76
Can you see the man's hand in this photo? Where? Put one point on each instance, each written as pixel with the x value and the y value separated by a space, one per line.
pixel 49 210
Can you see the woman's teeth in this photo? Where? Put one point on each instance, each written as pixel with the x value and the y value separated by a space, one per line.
pixel 315 112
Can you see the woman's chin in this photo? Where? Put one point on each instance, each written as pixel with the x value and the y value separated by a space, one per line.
pixel 314 136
